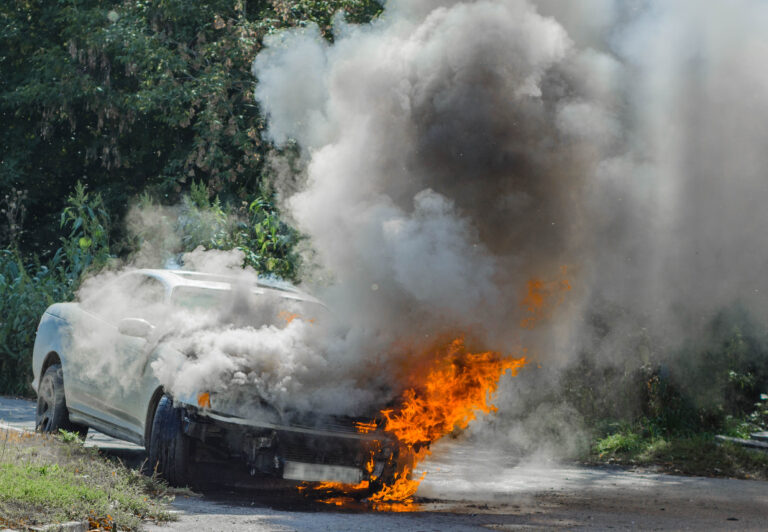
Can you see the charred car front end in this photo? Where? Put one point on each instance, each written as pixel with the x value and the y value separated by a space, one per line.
pixel 308 449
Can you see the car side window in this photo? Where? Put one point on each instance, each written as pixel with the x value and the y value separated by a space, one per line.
pixel 133 295
pixel 149 291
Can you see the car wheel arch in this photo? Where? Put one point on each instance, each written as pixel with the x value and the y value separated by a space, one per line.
pixel 151 408
pixel 50 359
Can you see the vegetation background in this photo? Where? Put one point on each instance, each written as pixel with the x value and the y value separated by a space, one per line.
pixel 106 104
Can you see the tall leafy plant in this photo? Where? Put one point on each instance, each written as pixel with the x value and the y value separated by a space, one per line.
pixel 28 286
pixel 268 243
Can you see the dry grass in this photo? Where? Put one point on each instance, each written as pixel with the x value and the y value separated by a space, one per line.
pixel 49 479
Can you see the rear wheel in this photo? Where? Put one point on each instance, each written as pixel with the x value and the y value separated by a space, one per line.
pixel 169 447
pixel 52 414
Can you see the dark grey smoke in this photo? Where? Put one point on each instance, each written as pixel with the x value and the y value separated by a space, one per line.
pixel 454 149
pixel 447 149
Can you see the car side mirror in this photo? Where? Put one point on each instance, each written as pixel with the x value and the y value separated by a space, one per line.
pixel 135 327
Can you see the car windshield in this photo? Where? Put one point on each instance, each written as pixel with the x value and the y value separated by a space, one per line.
pixel 263 307
pixel 199 298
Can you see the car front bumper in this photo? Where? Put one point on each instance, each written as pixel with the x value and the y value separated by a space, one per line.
pixel 325 452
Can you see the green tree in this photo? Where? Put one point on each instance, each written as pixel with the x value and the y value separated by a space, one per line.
pixel 136 95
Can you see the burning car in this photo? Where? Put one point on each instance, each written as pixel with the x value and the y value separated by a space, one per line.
pixel 107 383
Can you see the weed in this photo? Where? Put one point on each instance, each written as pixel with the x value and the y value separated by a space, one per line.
pixel 696 454
pixel 69 437
pixel 46 479
pixel 620 442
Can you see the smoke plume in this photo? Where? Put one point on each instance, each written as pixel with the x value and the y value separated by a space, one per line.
pixel 446 159
pixel 454 150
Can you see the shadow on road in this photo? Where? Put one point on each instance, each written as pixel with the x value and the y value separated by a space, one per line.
pixel 19 413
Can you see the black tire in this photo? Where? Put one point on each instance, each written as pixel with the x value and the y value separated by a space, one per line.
pixel 52 414
pixel 169 447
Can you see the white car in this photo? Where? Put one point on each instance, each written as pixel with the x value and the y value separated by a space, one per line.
pixel 182 434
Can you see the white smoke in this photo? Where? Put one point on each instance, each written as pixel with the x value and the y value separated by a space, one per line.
pixel 677 205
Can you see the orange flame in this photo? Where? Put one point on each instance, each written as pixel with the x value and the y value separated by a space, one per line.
pixel 290 316
pixel 204 400
pixel 401 490
pixel 449 387
pixel 456 387
pixel 369 465
pixel 287 316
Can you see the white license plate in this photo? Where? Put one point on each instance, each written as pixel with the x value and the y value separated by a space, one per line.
pixel 321 473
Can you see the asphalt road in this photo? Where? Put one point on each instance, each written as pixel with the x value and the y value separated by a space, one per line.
pixel 477 489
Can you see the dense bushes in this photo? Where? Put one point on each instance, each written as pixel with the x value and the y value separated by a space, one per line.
pixel 129 97
pixel 715 383
pixel 28 286
pixel 25 291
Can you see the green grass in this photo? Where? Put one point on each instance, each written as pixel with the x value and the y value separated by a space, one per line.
pixel 620 442
pixel 690 454
pixel 45 479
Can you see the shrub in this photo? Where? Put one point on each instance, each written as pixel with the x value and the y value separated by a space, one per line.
pixel 25 292
pixel 255 228
pixel 28 287
pixel 713 383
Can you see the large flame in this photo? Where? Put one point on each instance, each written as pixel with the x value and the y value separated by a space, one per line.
pixel 449 387
pixel 453 389
pixel 457 386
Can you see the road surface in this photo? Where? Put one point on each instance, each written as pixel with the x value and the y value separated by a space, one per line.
pixel 470 489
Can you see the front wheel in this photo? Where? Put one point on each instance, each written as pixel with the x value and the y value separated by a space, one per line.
pixel 52 414
pixel 169 447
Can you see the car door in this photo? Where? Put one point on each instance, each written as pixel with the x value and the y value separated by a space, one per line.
pixel 110 363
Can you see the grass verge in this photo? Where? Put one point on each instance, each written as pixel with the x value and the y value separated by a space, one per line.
pixel 53 479
pixel 696 454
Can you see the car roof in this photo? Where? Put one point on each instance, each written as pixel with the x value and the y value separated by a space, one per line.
pixel 174 278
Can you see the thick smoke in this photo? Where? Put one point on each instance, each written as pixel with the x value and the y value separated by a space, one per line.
pixel 250 341
pixel 444 167
pixel 675 207
pixel 455 149
pixel 447 146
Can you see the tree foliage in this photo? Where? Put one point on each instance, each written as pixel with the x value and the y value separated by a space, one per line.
pixel 136 95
